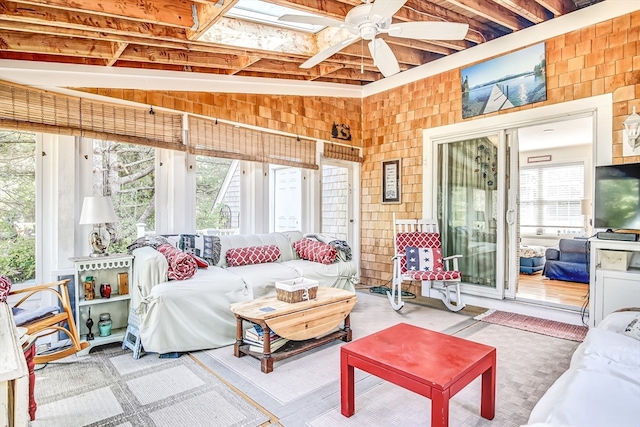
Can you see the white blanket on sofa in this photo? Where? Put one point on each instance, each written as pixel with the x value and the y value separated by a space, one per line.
pixel 602 385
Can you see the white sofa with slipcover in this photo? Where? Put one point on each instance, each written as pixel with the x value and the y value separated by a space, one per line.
pixel 602 385
pixel 194 314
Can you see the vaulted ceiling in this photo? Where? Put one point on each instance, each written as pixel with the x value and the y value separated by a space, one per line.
pixel 196 36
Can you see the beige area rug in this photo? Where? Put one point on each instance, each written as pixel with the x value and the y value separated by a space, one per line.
pixel 304 390
pixel 110 388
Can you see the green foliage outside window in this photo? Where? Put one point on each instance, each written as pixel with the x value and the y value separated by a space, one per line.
pixel 17 205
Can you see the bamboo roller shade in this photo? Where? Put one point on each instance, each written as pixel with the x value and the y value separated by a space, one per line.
pixel 217 139
pixel 37 110
pixel 342 152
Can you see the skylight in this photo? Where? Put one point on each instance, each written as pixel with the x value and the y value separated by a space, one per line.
pixel 268 13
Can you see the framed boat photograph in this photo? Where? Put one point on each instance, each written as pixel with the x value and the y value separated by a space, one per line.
pixel 391 181
pixel 512 80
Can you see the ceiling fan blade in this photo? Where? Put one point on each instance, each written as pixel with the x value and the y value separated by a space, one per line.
pixel 428 30
pixel 383 57
pixel 313 20
pixel 384 9
pixel 324 54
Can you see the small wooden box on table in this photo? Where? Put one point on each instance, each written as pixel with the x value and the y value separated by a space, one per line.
pixel 304 323
pixel 429 363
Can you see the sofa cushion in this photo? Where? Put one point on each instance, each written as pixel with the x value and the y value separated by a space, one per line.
pixel 260 278
pixel 252 255
pixel 206 247
pixel 181 265
pixel 313 250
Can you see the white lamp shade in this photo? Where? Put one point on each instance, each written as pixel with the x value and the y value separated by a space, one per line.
pixel 97 210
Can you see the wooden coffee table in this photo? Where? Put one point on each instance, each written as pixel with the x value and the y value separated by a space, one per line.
pixel 305 323
pixel 429 363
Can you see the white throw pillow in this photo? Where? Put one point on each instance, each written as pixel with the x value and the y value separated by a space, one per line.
pixel 633 328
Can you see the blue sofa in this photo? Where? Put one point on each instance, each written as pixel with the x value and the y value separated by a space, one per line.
pixel 569 262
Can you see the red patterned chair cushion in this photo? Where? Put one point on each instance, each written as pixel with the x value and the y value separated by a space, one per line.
pixel 435 275
pixel 252 255
pixel 5 288
pixel 315 251
pixel 181 265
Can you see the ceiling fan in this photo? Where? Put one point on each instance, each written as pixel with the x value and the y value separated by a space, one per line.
pixel 368 20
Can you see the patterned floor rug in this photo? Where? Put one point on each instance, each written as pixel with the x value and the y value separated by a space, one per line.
pixel 551 328
pixel 305 390
pixel 110 388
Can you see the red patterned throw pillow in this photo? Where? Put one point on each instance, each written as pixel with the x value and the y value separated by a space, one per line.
pixel 315 251
pixel 5 288
pixel 252 255
pixel 181 265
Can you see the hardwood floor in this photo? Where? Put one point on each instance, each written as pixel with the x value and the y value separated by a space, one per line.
pixel 536 287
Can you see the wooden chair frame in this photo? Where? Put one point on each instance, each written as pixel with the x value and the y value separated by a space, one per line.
pixel 54 323
pixel 450 264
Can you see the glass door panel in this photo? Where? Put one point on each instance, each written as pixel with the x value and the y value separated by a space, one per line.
pixel 469 208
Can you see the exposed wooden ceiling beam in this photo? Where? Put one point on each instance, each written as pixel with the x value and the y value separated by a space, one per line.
pixel 207 14
pixel 528 9
pixel 558 7
pixel 168 12
pixel 118 48
pixel 490 11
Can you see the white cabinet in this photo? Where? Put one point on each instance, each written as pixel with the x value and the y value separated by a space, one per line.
pixel 115 270
pixel 612 288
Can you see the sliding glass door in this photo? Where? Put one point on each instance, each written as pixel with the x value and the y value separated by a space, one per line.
pixel 471 207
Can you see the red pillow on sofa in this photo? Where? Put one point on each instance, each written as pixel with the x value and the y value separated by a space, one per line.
pixel 252 255
pixel 181 265
pixel 315 251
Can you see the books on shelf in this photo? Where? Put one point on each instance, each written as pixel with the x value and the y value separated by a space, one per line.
pixel 275 345
pixel 254 336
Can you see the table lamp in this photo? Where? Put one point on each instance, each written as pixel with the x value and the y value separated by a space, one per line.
pixel 98 210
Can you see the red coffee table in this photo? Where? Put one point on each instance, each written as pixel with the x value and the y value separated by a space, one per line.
pixel 429 363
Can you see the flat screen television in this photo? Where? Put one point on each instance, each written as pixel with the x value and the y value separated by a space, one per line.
pixel 617 197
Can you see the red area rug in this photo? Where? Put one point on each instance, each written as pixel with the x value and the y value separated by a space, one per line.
pixel 551 328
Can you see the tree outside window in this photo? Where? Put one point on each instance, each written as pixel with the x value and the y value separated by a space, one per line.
pixel 17 205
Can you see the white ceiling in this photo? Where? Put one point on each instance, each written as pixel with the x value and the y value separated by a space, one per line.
pixel 557 134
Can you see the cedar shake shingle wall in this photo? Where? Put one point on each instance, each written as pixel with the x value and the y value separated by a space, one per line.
pixel 599 59
pixel 309 116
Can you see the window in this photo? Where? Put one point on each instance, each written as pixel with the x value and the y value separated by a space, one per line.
pixel 217 193
pixel 126 172
pixel 18 205
pixel 286 200
pixel 550 198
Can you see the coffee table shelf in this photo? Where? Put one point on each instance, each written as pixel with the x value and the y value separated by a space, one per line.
pixel 307 324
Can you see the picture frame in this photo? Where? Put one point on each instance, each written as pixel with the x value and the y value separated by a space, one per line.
pixel 391 181
pixel 512 80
